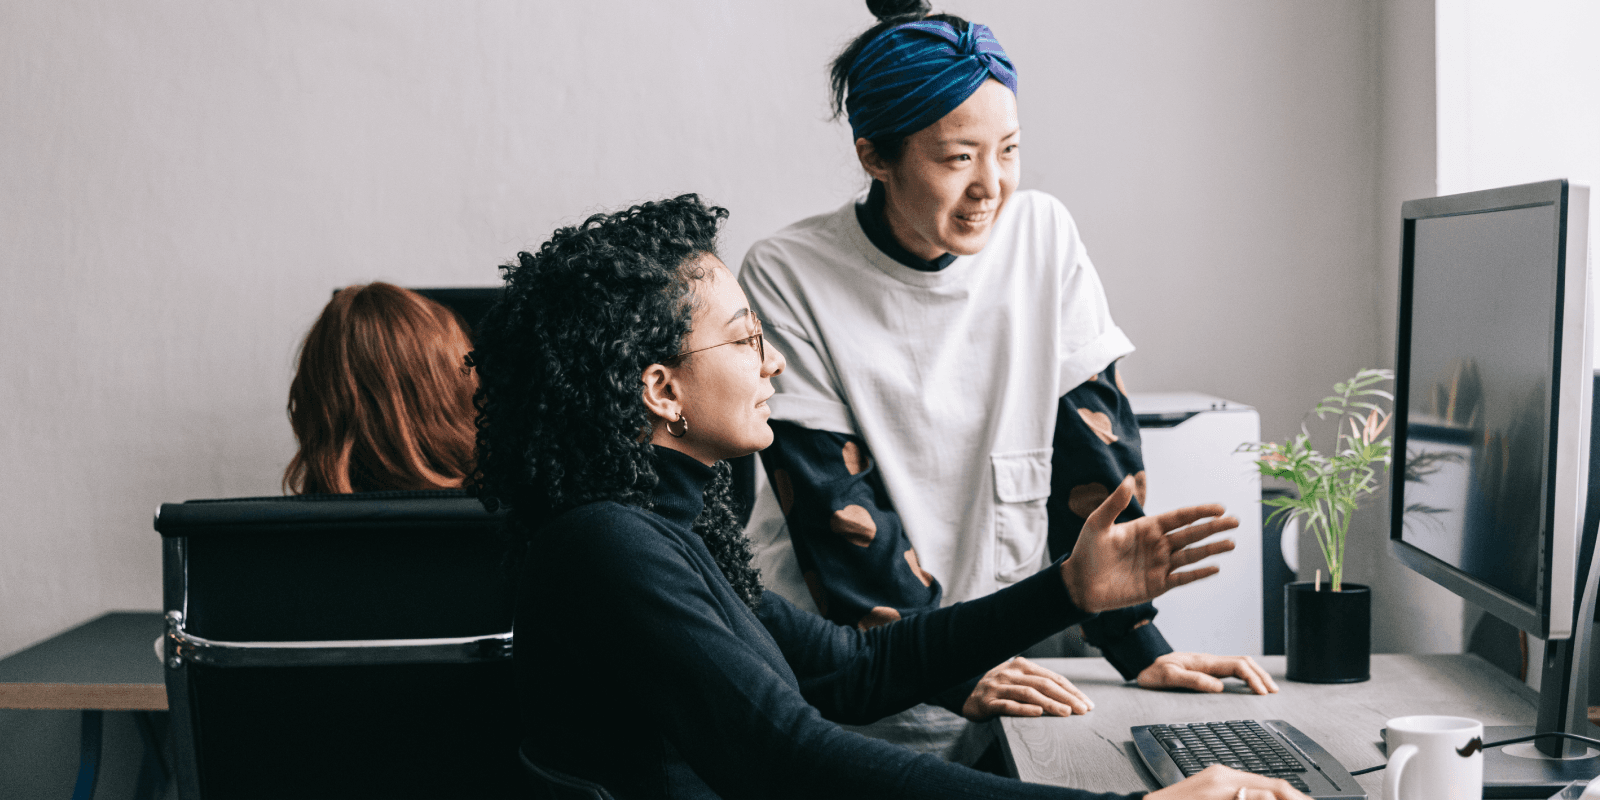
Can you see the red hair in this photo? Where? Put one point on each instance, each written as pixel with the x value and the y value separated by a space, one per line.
pixel 382 398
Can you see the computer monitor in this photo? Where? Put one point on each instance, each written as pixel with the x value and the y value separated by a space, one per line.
pixel 1494 397
pixel 470 302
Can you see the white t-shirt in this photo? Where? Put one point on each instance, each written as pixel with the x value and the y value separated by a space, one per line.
pixel 951 378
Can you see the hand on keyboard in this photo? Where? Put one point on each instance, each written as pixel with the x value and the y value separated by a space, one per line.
pixel 1221 783
pixel 1203 673
pixel 1021 688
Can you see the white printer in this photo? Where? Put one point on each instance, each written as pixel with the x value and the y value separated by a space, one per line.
pixel 1191 456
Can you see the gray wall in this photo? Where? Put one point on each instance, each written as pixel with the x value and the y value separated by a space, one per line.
pixel 184 182
pixel 1410 613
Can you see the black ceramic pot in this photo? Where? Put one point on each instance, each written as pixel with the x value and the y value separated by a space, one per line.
pixel 1328 634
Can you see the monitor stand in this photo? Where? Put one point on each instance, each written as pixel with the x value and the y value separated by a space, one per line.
pixel 1546 765
pixel 1520 770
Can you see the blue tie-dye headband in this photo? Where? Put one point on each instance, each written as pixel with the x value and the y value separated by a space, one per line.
pixel 913 74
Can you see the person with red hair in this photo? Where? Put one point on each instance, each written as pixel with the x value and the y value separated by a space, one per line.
pixel 382 398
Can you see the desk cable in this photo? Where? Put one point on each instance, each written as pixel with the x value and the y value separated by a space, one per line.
pixel 1517 740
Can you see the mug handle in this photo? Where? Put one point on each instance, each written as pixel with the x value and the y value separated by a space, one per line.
pixel 1397 764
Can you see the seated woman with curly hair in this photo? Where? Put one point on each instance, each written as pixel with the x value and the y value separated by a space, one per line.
pixel 381 398
pixel 620 371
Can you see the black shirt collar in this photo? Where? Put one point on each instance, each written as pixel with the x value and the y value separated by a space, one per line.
pixel 680 493
pixel 873 223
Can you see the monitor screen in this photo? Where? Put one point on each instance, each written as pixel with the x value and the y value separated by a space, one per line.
pixel 469 302
pixel 1494 396
pixel 1482 350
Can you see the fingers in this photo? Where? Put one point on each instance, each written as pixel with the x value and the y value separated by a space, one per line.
pixel 1246 669
pixel 1284 792
pixel 1186 666
pixel 1068 698
pixel 1023 681
pixel 1032 692
pixel 1020 687
pixel 1012 708
pixel 1255 676
pixel 1186 536
pixel 1177 579
pixel 1106 515
pixel 1169 671
pixel 1221 783
pixel 1189 555
pixel 1275 789
pixel 1173 520
pixel 1175 677
pixel 1074 696
pixel 1256 787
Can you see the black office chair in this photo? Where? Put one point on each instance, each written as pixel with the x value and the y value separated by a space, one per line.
pixel 339 646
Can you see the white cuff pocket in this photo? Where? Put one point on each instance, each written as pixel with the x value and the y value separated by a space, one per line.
pixel 1021 524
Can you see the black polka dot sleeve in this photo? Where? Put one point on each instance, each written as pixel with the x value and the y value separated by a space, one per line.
pixel 1097 446
pixel 853 553
pixel 860 568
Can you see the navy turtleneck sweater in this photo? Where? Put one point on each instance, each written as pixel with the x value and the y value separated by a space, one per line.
pixel 871 215
pixel 639 668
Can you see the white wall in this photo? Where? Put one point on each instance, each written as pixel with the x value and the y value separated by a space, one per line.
pixel 1519 92
pixel 1219 159
pixel 1410 613
pixel 183 182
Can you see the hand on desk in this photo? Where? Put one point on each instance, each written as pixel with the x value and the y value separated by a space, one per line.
pixel 1204 673
pixel 1116 565
pixel 1021 688
pixel 1217 782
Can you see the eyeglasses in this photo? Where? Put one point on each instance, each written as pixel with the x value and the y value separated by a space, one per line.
pixel 760 344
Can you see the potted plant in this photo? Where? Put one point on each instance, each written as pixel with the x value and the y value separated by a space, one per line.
pixel 1328 625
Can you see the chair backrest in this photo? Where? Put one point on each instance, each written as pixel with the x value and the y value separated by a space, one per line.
pixel 339 646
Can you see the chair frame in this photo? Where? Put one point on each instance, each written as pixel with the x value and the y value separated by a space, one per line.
pixel 181 648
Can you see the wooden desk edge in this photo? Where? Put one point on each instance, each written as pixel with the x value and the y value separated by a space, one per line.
pixel 82 696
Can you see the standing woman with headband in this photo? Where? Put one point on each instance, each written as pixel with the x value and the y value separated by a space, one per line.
pixel 951 412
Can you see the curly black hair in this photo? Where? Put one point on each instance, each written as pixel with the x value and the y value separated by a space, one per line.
pixel 561 416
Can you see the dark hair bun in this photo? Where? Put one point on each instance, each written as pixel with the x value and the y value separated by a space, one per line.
pixel 884 9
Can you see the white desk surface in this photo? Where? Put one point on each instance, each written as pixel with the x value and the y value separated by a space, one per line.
pixel 1095 751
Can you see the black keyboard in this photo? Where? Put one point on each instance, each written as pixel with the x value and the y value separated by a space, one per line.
pixel 1271 747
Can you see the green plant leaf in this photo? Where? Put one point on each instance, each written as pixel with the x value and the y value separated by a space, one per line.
pixel 1330 487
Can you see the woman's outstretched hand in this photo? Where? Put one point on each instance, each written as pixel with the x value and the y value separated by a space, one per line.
pixel 1217 782
pixel 1115 565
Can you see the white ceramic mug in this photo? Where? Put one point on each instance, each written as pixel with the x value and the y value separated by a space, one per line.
pixel 1434 758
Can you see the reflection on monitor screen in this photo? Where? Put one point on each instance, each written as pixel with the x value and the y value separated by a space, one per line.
pixel 1482 343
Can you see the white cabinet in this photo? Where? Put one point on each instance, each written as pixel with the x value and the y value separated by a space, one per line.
pixel 1191 457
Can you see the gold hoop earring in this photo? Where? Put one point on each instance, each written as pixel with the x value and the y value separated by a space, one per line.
pixel 678 434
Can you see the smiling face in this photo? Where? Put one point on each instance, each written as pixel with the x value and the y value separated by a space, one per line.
pixel 952 177
pixel 721 388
